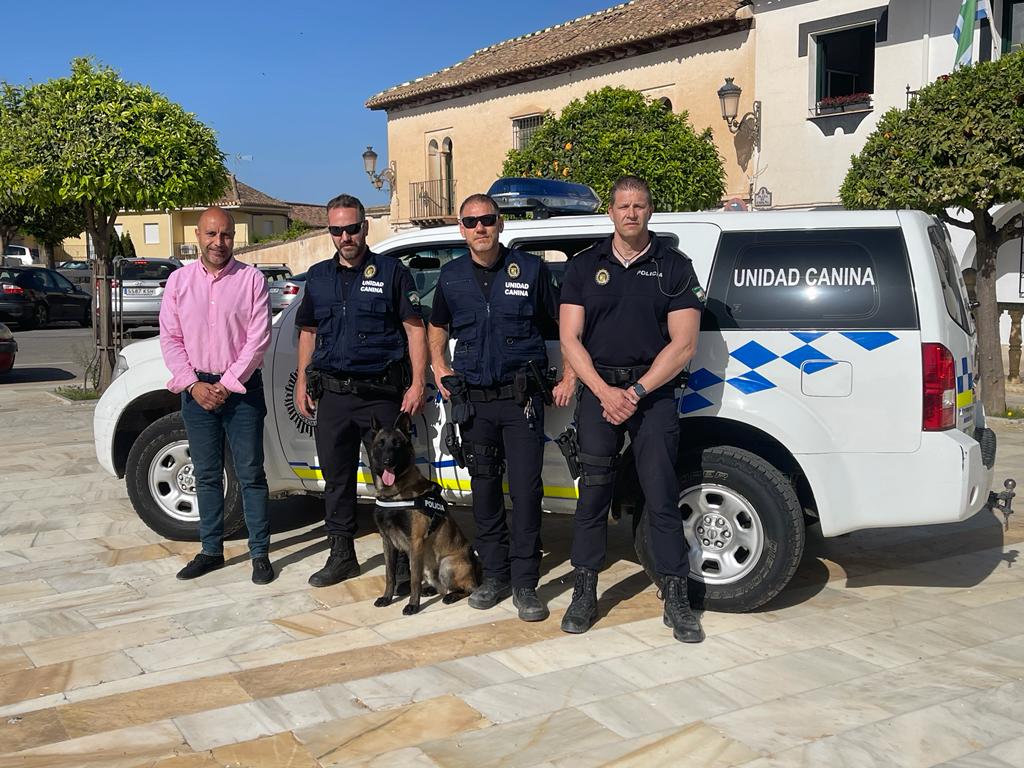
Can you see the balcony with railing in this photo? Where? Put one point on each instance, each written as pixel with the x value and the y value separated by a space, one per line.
pixel 432 203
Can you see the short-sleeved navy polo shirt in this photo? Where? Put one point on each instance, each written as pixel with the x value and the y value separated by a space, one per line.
pixel 626 308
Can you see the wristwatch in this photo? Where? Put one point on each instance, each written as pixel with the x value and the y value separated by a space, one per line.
pixel 639 389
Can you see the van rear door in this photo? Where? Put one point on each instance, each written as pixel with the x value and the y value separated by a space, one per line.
pixel 960 337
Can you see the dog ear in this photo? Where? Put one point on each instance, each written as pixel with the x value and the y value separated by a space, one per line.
pixel 404 423
pixel 374 423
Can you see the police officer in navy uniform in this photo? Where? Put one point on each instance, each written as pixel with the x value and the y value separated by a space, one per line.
pixel 358 322
pixel 497 304
pixel 629 322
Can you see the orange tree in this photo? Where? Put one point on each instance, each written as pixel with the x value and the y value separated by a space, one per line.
pixel 616 131
pixel 95 140
pixel 958 147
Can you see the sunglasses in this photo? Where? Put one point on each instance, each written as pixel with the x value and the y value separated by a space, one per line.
pixel 351 229
pixel 488 220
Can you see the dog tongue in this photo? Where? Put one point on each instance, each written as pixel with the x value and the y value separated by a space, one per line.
pixel 387 477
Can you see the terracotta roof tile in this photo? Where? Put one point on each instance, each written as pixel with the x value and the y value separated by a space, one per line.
pixel 627 29
pixel 240 194
pixel 309 214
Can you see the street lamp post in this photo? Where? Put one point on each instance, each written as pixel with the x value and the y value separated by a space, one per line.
pixel 387 176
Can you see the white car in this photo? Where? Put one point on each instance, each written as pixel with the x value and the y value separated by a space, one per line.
pixel 834 382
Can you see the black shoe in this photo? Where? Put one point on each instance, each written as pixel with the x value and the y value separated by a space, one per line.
pixel 490 593
pixel 530 606
pixel 582 611
pixel 201 564
pixel 678 615
pixel 262 570
pixel 341 563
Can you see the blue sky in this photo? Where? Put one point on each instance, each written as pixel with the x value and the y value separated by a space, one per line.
pixel 284 82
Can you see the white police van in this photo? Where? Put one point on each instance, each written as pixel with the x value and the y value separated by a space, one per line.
pixel 833 382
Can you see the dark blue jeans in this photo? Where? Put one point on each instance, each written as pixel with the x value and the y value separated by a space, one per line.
pixel 240 421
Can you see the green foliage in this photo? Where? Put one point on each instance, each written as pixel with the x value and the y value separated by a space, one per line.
pixel 960 144
pixel 127 246
pixel 107 143
pixel 616 131
pixel 295 230
pixel 52 224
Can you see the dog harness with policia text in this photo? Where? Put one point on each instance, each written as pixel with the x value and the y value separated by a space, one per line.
pixel 430 504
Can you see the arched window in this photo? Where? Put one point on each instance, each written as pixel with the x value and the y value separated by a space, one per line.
pixel 666 103
pixel 448 174
pixel 433 160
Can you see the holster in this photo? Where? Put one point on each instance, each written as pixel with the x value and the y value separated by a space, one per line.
pixel 458 396
pixel 453 444
pixel 569 445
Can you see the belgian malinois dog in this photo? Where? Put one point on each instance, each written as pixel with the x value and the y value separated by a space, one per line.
pixel 411 516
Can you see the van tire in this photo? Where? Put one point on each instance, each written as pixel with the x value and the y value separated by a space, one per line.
pixel 157 469
pixel 770 507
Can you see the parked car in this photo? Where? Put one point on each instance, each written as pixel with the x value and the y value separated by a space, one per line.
pixel 8 349
pixel 274 272
pixel 75 265
pixel 833 382
pixel 138 289
pixel 35 296
pixel 15 255
pixel 284 292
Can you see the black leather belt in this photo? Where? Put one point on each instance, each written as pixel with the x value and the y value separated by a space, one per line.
pixel 621 377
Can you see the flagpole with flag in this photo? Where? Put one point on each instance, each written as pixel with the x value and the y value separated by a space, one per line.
pixel 971 11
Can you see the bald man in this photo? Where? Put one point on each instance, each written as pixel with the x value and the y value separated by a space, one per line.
pixel 214 330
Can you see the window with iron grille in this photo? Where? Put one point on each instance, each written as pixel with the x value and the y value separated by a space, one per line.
pixel 523 129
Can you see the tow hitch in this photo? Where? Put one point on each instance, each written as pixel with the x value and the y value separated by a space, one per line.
pixel 1003 501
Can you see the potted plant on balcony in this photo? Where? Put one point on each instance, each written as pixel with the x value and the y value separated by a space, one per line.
pixel 852 101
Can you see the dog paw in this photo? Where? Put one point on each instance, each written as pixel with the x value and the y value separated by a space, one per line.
pixel 428 591
pixel 382 602
pixel 410 609
pixel 452 597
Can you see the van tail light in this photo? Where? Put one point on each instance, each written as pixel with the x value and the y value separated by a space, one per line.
pixel 290 290
pixel 938 388
pixel 12 290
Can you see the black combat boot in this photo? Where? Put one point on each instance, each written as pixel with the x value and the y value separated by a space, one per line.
pixel 341 563
pixel 685 626
pixel 491 592
pixel 582 611
pixel 531 607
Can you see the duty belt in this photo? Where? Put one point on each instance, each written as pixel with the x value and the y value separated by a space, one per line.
pixel 487 394
pixel 621 377
pixel 347 384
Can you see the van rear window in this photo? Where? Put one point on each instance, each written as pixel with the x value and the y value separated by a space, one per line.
pixel 821 279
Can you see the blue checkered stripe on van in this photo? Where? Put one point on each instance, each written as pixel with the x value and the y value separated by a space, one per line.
pixel 964 379
pixel 755 356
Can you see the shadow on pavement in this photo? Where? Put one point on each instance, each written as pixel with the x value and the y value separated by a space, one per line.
pixel 970 552
pixel 35 375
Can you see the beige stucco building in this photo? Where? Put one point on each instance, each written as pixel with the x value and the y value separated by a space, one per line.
pixel 449 132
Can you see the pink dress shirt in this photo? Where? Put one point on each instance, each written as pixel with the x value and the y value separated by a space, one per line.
pixel 214 324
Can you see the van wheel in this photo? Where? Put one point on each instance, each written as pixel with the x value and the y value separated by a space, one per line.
pixel 161 483
pixel 743 525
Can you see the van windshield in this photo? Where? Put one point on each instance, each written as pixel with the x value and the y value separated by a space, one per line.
pixel 953 289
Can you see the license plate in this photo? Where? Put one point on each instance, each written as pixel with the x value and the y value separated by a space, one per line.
pixel 139 291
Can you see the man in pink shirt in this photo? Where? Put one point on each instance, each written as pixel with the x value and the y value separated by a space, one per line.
pixel 214 330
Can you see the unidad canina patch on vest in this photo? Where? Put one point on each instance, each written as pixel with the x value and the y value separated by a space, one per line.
pixel 370 271
pixel 601 277
pixel 513 270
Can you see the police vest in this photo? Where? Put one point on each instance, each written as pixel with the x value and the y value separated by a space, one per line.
pixel 360 334
pixel 497 335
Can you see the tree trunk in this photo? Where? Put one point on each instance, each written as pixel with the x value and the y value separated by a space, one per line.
pixel 99 227
pixel 990 351
pixel 46 250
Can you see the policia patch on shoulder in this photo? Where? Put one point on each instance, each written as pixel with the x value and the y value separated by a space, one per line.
pixel 370 271
pixel 601 277
pixel 699 293
pixel 413 297
pixel 513 270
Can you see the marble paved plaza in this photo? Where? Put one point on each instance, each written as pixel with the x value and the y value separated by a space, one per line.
pixel 891 648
